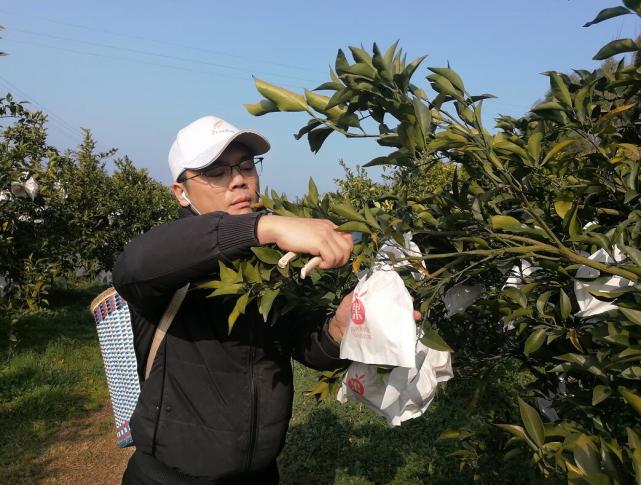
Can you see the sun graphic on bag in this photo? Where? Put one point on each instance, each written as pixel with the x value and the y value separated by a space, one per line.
pixel 356 384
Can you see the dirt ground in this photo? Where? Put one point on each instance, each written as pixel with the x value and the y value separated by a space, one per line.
pixel 86 453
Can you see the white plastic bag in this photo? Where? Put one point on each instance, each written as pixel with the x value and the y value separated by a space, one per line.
pixel 381 329
pixel 399 394
pixel 392 253
pixel 589 304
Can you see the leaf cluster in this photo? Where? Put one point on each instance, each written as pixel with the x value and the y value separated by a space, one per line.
pixel 526 206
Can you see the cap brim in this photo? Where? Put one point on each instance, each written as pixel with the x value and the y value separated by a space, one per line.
pixel 253 140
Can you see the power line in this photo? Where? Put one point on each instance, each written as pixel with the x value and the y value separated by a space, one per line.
pixel 55 120
pixel 155 54
pixel 60 119
pixel 149 39
pixel 136 61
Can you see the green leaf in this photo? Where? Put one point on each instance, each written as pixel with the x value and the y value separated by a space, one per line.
pixel 389 55
pixel 319 103
pixel 311 124
pixel 227 289
pixel 608 13
pixel 532 422
pixel 571 222
pixel 586 456
pixel 534 341
pixel 634 442
pixel 534 144
pixel 250 273
pixel 615 47
pixel 634 5
pixel 266 301
pixel 341 62
pixel 264 106
pixel 632 315
pixel 239 309
pixel 228 275
pixel 317 137
pixel 481 97
pixel 434 341
pixel 633 253
pixel 631 398
pixel 541 301
pixel 503 222
pixel 450 435
pixel 517 431
pixel 600 393
pixel 614 112
pixel 347 211
pixel 281 97
pixel 562 206
pixel 632 373
pixel 354 226
pixel 312 192
pixel 267 255
pixel 442 85
pixel 370 218
pixel 548 106
pixel 423 116
pixel 560 146
pixel 450 75
pixel 339 98
pixel 560 90
pixel 361 55
pixel 508 146
pixel 587 363
pixel 516 295
pixel 565 305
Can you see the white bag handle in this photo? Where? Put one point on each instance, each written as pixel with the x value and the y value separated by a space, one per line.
pixel 164 324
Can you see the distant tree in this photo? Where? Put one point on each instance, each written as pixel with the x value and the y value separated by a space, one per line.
pixel 63 211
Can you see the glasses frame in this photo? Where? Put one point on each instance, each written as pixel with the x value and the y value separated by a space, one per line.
pixel 257 161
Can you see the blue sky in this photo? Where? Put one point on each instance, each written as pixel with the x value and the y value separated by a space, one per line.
pixel 135 72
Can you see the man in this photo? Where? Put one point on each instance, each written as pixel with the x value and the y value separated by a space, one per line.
pixel 216 406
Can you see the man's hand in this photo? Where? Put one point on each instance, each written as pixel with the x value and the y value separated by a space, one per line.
pixel 339 322
pixel 317 237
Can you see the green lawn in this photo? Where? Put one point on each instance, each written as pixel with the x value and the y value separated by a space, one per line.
pixel 55 374
pixel 348 444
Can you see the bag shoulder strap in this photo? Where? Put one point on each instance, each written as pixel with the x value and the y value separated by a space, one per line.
pixel 164 324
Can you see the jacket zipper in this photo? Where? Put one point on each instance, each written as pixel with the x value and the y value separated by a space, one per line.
pixel 254 401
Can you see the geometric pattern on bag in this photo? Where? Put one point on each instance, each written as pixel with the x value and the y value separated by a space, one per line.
pixel 115 336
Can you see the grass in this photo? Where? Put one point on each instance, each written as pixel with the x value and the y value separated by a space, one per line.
pixel 55 376
pixel 348 444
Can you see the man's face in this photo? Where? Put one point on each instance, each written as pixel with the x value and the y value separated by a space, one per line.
pixel 233 193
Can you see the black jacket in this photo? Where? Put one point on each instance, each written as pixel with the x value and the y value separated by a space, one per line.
pixel 214 404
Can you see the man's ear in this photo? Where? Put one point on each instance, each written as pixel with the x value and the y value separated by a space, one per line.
pixel 179 193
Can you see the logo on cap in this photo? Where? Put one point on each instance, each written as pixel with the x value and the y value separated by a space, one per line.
pixel 216 129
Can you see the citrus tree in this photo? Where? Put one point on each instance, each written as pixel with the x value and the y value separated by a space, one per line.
pixel 541 222
pixel 62 211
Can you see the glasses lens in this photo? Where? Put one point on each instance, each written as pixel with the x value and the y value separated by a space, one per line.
pixel 246 167
pixel 218 171
pixel 258 163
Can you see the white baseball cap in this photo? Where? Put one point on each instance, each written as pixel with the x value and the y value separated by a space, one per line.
pixel 201 142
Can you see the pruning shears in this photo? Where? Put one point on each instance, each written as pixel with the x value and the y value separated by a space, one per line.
pixel 313 262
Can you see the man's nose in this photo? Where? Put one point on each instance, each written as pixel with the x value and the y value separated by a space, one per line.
pixel 237 179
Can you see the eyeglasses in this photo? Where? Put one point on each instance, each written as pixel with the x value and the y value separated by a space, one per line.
pixel 219 172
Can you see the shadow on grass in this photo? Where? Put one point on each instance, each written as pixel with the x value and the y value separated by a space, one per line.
pixel 53 376
pixel 347 444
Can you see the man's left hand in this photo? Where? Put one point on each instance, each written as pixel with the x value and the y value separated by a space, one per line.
pixel 339 322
